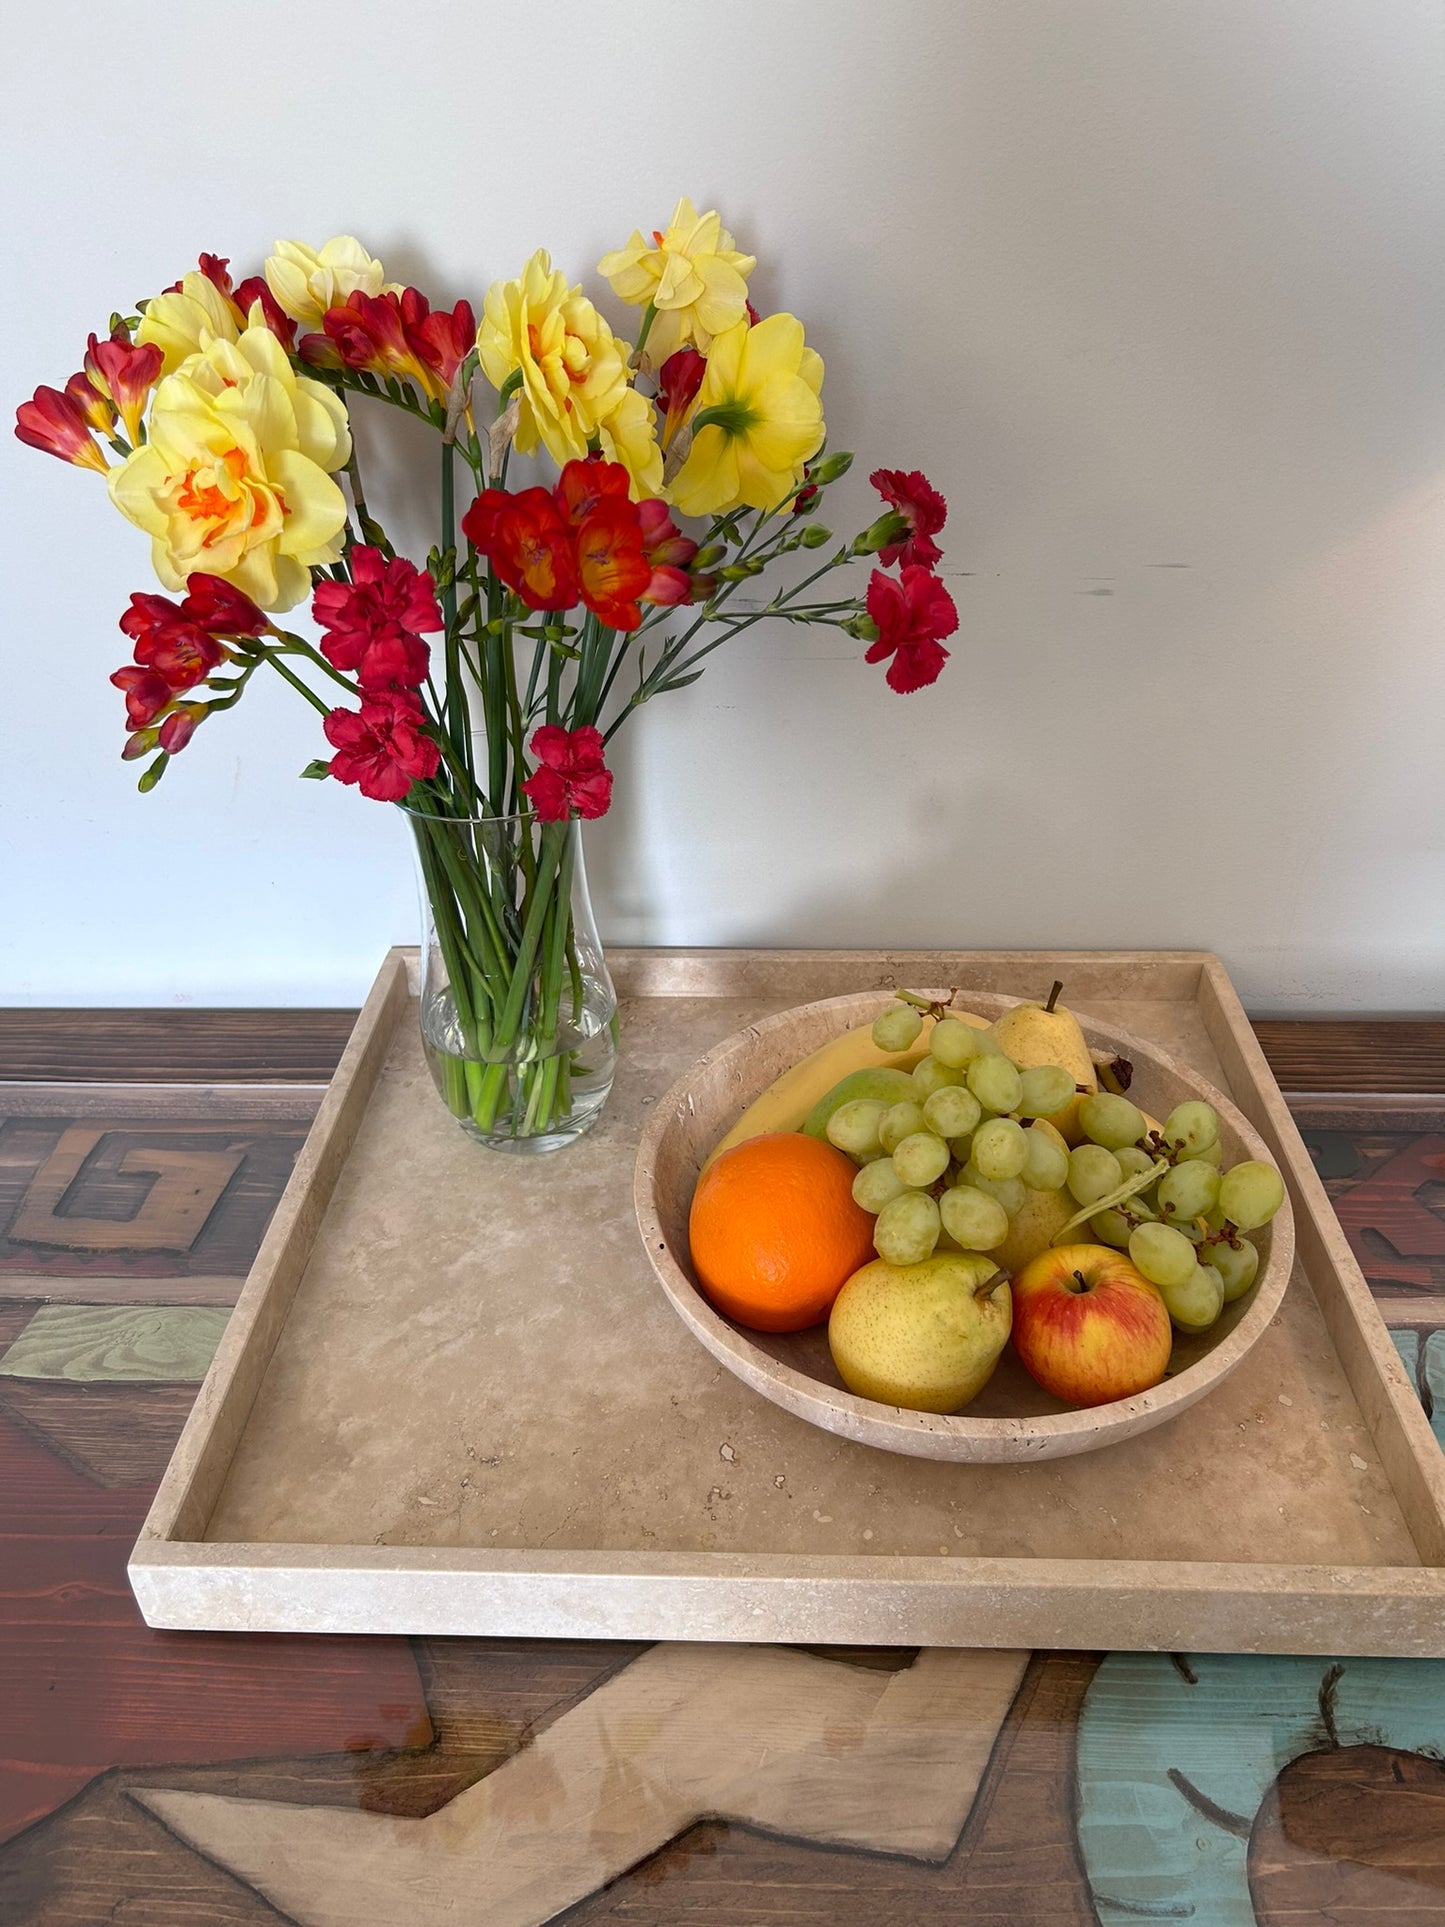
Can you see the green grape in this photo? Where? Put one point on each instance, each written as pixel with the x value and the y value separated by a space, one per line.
pixel 985 1044
pixel 1046 1162
pixel 920 1159
pixel 930 1076
pixel 1237 1266
pixel 953 1043
pixel 1093 1171
pixel 962 1147
pixel 1192 1126
pixel 1046 1089
pixel 906 1229
pixel 898 1122
pixel 853 1127
pixel 1133 1161
pixel 1162 1254
pixel 877 1184
pixel 1111 1121
pixel 1250 1194
pixel 996 1084
pixel 1009 1192
pixel 1000 1148
pixel 1117 1227
pixel 1189 1190
pixel 952 1112
pixel 1194 1304
pixel 1211 1154
pixel 975 1221
pixel 897 1027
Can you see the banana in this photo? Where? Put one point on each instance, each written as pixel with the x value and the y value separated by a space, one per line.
pixel 789 1098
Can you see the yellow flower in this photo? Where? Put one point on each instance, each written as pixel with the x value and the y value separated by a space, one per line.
pixel 182 323
pixel 235 479
pixel 307 282
pixel 629 436
pixel 690 273
pixel 573 368
pixel 758 420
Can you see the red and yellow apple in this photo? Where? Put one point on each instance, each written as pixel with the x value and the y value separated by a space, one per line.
pixel 1088 1326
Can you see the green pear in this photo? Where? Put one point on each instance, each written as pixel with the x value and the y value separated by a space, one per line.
pixel 884 1085
pixel 923 1336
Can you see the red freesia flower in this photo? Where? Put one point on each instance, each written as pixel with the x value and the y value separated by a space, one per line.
pixel 55 424
pixel 217 607
pixel 669 555
pixel 912 613
pixel 382 747
pixel 528 544
pixel 147 693
pixel 369 333
pixel 124 375
pixel 612 571
pixel 375 622
pixel 678 381
pixel 922 508
pixel 217 270
pixel 585 486
pixel 442 342
pixel 98 411
pixel 147 613
pixel 570 774
pixel 180 726
pixel 273 314
pixel 182 652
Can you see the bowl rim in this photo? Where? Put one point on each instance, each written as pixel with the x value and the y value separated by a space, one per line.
pixel 896 1427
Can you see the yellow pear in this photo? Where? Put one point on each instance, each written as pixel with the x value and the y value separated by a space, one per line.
pixel 1033 1227
pixel 1033 1034
pixel 924 1336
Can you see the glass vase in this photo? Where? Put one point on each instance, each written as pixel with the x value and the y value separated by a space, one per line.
pixel 518 1013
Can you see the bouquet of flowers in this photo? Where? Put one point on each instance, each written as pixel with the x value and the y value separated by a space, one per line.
pixel 479 690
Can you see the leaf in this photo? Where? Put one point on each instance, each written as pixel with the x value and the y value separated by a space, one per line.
pixel 680 682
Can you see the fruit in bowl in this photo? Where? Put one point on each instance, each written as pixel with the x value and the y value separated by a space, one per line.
pixel 956 1143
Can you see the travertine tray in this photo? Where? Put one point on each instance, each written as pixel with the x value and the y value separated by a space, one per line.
pixel 452 1398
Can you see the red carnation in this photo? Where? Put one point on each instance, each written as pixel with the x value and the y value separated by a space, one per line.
pixel 382 748
pixel 375 622
pixel 923 510
pixel 912 613
pixel 571 775
pixel 218 606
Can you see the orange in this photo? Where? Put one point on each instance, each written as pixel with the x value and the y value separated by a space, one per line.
pixel 775 1233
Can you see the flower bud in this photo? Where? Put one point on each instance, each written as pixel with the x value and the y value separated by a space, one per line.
pixel 815 535
pixel 861 626
pixel 832 468
pixel 890 527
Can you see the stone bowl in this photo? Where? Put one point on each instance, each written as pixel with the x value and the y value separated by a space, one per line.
pixel 1013 1419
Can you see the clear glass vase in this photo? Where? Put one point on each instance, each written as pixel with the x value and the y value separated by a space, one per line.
pixel 518 1013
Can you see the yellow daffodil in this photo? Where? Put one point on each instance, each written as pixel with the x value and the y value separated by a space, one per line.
pixel 308 281
pixel 187 320
pixel 758 420
pixel 690 274
pixel 236 477
pixel 573 368
pixel 629 436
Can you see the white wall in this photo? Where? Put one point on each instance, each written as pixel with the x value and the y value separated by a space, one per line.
pixel 1150 288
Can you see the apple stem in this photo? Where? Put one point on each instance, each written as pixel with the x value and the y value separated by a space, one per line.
pixel 1083 1281
pixel 1053 996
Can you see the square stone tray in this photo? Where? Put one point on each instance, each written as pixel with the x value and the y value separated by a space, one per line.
pixel 453 1398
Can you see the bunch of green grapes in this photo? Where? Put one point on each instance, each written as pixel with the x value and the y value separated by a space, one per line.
pixel 1166 1199
pixel 952 1165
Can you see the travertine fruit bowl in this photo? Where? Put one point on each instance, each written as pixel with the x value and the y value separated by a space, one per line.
pixel 1012 1419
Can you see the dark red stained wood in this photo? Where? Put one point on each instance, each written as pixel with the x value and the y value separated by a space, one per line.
pixel 1393 1213
pixel 86 1685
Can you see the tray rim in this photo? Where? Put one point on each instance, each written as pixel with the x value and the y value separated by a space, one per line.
pixel 181 1580
pixel 979 1440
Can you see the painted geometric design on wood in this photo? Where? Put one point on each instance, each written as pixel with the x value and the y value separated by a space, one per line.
pixel 114 1435
pixel 146 1344
pixel 1388 1191
pixel 779 1740
pixel 139 1196
pixel 1178 1757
